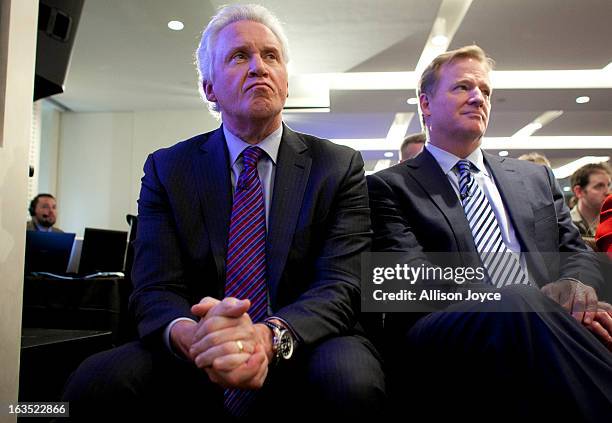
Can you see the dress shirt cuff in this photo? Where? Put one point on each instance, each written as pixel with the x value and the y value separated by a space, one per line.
pixel 288 327
pixel 568 278
pixel 167 336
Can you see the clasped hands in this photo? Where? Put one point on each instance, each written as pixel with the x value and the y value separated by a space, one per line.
pixel 225 343
pixel 581 301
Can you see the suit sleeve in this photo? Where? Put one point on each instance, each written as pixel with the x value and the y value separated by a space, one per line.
pixel 160 294
pixel 392 229
pixel 328 307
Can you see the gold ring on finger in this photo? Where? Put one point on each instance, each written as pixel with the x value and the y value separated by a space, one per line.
pixel 240 346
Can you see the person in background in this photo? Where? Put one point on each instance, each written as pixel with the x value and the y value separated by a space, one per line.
pixel 591 185
pixel 43 210
pixel 535 158
pixel 412 146
pixel 603 243
pixel 603 235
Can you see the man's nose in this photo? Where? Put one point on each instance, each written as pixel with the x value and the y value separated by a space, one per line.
pixel 257 66
pixel 477 97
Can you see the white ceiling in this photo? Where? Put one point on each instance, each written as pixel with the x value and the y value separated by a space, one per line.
pixel 125 58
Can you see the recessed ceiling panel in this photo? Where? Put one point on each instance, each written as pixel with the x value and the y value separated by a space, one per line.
pixel 540 34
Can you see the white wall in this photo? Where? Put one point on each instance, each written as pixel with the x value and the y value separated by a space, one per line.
pixel 101 157
pixel 95 154
pixel 18 21
pixel 49 149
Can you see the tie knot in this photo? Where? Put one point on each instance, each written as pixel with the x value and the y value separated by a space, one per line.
pixel 463 166
pixel 251 155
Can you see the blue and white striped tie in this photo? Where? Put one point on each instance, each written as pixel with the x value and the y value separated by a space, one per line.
pixel 502 265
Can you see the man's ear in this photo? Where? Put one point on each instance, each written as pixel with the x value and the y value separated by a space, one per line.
pixel 577 190
pixel 209 92
pixel 424 103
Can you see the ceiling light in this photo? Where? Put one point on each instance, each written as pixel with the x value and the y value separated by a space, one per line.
pixel 287 110
pixel 547 117
pixel 397 130
pixel 176 25
pixel 527 130
pixel 363 144
pixel 499 143
pixel 567 189
pixel 586 78
pixel 569 168
pixel 507 80
pixel 440 40
pixel 412 100
pixel 448 19
pixel 382 165
pixel 537 124
pixel 389 154
pixel 547 143
pixel 583 99
pixel 503 153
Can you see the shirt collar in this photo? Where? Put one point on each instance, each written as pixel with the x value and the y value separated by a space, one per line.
pixel 270 144
pixel 447 161
pixel 41 228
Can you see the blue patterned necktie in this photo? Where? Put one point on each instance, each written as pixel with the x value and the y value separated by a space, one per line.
pixel 246 258
pixel 503 266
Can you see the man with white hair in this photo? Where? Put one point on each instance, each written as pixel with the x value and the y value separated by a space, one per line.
pixel 246 271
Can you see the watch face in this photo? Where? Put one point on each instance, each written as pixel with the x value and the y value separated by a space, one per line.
pixel 285 347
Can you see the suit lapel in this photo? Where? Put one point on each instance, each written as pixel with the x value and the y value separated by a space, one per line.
pixel 512 189
pixel 211 173
pixel 435 184
pixel 292 172
pixel 516 201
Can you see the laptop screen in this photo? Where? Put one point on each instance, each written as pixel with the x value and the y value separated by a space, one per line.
pixel 47 251
pixel 103 250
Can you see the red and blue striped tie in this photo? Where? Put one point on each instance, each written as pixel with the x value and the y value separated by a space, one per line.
pixel 246 257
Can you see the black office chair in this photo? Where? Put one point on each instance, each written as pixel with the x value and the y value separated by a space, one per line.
pixel 127 326
pixel 129 252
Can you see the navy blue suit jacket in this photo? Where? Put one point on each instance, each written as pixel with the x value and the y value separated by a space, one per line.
pixel 415 210
pixel 319 224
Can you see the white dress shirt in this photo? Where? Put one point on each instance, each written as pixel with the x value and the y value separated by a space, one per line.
pixel 484 179
pixel 266 166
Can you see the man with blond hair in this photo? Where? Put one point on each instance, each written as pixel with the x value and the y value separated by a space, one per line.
pixel 540 344
pixel 412 146
pixel 535 157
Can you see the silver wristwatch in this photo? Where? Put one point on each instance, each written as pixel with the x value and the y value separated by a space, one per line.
pixel 282 341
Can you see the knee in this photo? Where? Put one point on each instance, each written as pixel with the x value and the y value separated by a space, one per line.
pixel 347 374
pixel 524 298
pixel 111 375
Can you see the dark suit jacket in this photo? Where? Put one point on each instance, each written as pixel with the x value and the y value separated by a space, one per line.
pixel 319 223
pixel 415 210
pixel 32 227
